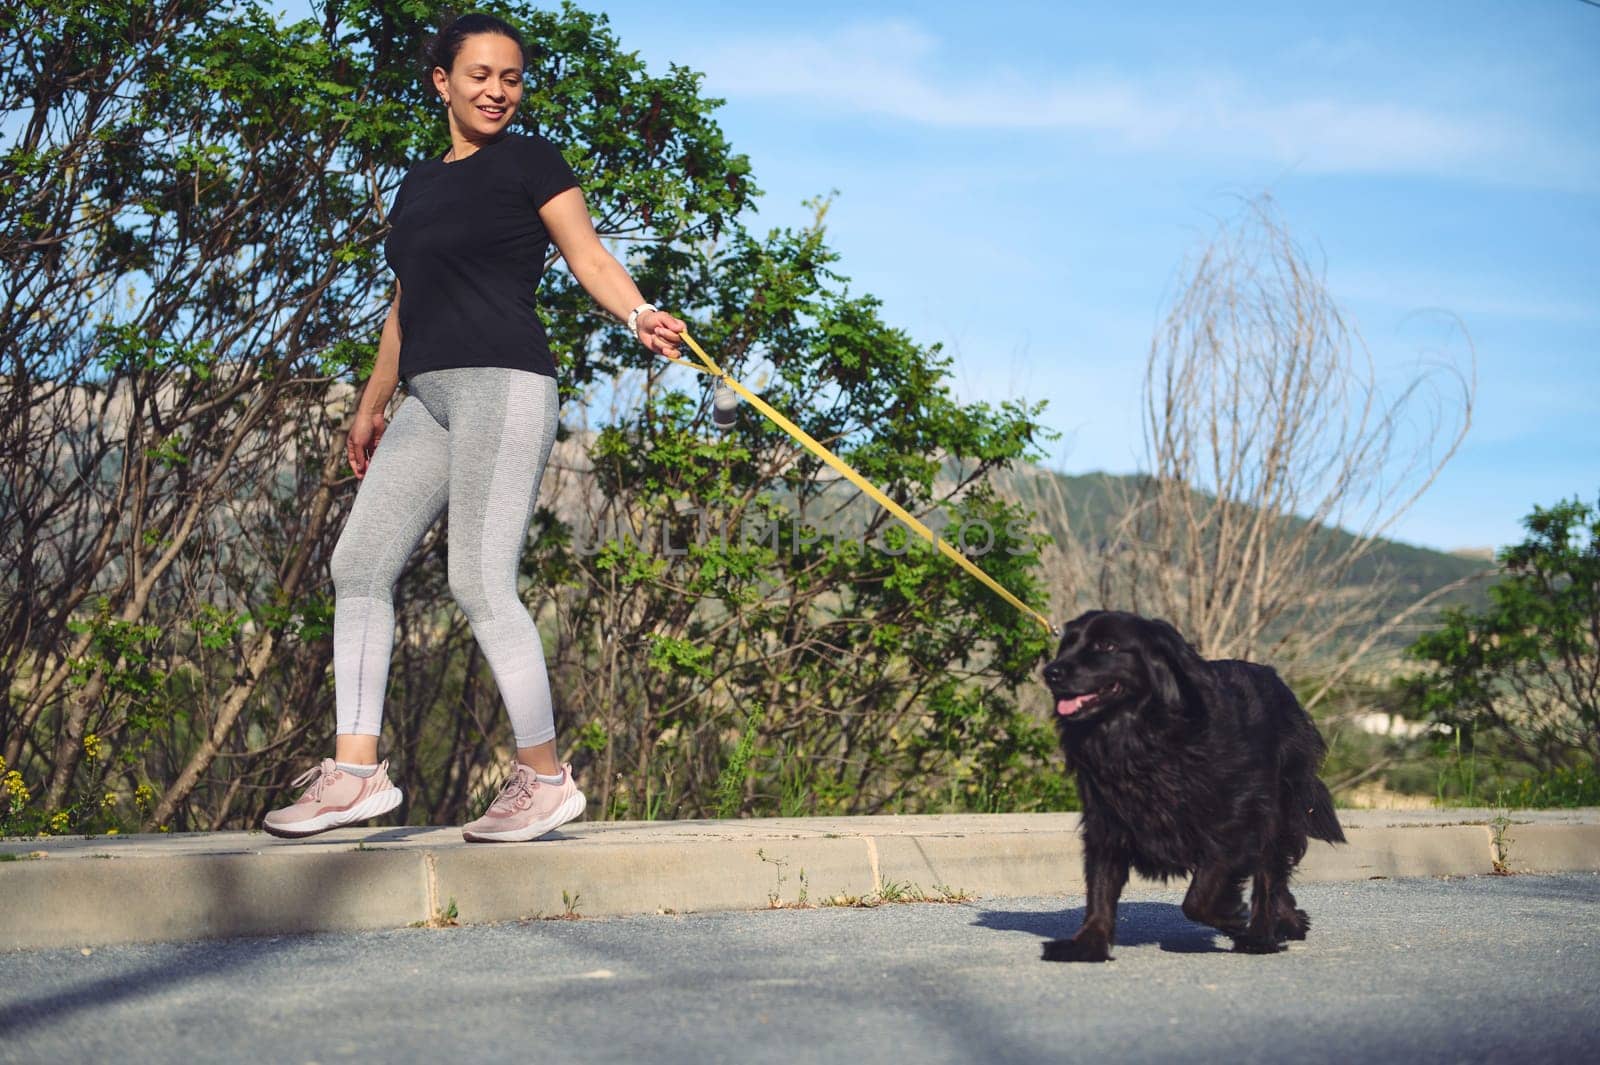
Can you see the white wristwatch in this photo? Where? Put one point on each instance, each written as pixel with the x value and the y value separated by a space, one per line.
pixel 633 316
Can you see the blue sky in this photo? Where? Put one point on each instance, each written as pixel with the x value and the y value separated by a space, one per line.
pixel 1022 180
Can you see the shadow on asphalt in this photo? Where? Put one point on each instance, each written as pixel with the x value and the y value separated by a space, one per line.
pixel 1138 924
pixel 177 964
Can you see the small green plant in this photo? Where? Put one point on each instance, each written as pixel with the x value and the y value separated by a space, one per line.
pixel 655 801
pixel 894 891
pixel 569 902
pixel 1458 778
pixel 1500 841
pixel 775 896
pixel 444 917
pixel 775 900
pixel 950 894
pixel 795 798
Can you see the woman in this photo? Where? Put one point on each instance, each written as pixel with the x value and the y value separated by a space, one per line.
pixel 470 234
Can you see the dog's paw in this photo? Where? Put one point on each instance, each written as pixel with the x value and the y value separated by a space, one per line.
pixel 1088 948
pixel 1294 927
pixel 1255 945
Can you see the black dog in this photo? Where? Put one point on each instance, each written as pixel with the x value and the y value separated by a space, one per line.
pixel 1185 766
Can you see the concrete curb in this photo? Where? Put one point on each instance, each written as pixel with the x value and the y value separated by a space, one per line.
pixel 119 889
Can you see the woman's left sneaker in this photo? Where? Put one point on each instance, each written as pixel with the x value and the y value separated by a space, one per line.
pixel 527 808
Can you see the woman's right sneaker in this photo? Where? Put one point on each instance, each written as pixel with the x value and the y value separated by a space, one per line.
pixel 334 798
pixel 527 808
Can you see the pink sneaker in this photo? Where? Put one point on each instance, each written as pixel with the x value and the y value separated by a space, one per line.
pixel 334 798
pixel 526 809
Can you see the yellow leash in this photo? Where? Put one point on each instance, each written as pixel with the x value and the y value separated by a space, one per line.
pixel 859 481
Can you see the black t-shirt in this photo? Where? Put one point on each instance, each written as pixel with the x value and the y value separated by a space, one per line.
pixel 469 249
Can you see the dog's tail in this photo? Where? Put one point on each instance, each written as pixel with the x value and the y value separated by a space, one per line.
pixel 1311 796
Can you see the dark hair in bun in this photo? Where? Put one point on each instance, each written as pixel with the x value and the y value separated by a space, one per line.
pixel 446 44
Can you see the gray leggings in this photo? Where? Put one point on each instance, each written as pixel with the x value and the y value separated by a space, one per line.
pixel 475 439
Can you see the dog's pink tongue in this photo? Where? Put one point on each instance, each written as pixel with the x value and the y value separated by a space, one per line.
pixel 1068 707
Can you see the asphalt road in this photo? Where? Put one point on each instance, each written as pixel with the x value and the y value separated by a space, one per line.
pixel 1478 969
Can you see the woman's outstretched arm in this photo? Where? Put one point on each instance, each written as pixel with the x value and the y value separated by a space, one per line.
pixel 566 216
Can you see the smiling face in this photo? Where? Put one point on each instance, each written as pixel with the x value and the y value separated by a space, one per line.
pixel 1097 667
pixel 482 87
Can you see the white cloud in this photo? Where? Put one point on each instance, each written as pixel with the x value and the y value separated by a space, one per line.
pixel 895 69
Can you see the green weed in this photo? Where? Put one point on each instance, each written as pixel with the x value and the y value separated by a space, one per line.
pixel 893 892
pixel 444 917
pixel 775 900
pixel 1500 841
pixel 731 781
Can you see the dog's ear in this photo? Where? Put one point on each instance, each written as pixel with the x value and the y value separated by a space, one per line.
pixel 1163 677
pixel 1168 662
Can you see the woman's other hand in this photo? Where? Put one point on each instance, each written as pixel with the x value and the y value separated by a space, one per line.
pixel 365 433
pixel 660 332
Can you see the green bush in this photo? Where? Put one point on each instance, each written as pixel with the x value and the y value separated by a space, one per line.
pixel 1565 788
pixel 1526 670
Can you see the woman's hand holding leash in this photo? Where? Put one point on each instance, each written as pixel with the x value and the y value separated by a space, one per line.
pixel 659 331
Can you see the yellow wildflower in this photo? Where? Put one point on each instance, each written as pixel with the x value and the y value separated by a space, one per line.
pixel 109 801
pixel 91 746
